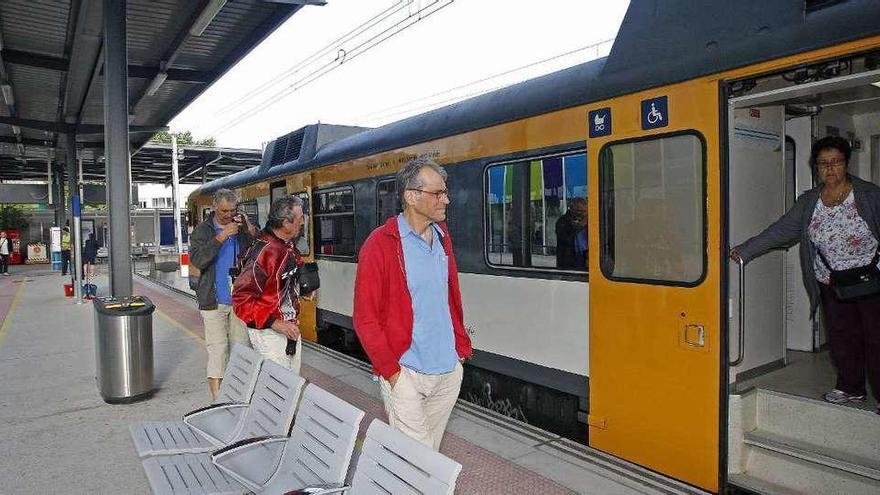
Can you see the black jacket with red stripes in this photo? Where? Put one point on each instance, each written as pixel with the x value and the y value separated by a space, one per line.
pixel 265 291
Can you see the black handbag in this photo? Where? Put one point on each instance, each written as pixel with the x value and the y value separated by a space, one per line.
pixel 309 281
pixel 854 283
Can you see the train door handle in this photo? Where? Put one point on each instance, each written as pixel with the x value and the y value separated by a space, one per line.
pixel 695 335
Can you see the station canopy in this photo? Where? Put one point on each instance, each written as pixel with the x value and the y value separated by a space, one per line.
pixel 51 80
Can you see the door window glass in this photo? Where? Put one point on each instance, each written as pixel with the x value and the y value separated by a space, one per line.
pixel 303 242
pixel 387 202
pixel 653 209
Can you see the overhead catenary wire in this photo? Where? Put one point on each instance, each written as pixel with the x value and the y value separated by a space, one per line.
pixel 327 49
pixel 384 113
pixel 343 56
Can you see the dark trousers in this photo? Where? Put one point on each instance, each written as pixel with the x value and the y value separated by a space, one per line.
pixel 854 337
pixel 65 261
pixel 4 263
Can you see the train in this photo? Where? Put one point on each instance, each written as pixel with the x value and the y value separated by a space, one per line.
pixel 691 136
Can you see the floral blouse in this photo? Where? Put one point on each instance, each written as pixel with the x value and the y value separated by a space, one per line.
pixel 842 235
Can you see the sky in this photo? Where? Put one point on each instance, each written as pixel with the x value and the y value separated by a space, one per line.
pixel 434 61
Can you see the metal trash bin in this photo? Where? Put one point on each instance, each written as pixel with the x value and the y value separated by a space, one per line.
pixel 124 348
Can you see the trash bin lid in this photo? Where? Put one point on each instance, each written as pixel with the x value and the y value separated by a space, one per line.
pixel 124 306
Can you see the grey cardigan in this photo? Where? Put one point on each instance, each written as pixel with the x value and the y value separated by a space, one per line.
pixel 203 250
pixel 794 225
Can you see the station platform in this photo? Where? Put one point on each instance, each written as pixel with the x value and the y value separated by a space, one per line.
pixel 59 435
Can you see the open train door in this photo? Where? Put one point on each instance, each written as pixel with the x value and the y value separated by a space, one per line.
pixel 655 321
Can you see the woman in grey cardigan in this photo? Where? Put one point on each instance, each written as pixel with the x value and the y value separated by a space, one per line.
pixel 841 219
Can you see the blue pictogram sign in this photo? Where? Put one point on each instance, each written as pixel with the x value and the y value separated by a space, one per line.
pixel 655 113
pixel 600 122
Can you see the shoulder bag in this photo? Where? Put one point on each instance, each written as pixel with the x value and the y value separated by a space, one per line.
pixel 854 283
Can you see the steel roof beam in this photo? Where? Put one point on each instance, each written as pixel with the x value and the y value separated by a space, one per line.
pixel 84 58
pixel 272 22
pixel 299 2
pixel 26 141
pixel 63 127
pixel 8 96
pixel 174 48
pixel 17 57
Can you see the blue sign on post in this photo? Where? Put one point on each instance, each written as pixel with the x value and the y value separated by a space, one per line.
pixel 600 122
pixel 655 113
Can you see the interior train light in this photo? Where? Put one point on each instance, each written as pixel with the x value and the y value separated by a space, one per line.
pixel 8 95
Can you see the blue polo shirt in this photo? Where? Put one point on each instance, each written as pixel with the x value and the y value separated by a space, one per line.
pixel 225 260
pixel 432 351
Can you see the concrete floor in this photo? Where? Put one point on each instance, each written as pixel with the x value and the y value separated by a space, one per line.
pixel 59 435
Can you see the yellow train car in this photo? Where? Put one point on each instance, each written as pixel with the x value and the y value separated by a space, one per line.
pixel 640 340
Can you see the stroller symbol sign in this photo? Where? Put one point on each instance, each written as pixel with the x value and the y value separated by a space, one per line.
pixel 655 113
pixel 599 122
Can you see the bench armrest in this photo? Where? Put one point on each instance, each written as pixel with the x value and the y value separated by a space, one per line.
pixel 217 422
pixel 252 461
pixel 211 407
pixel 325 489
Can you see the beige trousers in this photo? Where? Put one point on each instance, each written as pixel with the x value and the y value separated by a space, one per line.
pixel 272 345
pixel 419 405
pixel 222 329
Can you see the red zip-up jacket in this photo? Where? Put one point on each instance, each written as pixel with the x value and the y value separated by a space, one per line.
pixel 383 315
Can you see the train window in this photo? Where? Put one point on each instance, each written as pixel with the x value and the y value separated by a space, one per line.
pixel 249 208
pixel 387 201
pixel 263 205
pixel 277 189
pixel 334 222
pixel 536 213
pixel 653 210
pixel 303 243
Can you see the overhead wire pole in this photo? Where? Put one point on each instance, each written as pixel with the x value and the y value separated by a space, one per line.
pixel 116 146
pixel 75 215
pixel 175 200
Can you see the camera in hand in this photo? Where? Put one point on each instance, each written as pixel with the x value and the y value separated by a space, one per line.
pixel 290 350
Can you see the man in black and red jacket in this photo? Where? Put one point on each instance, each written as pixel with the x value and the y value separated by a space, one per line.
pixel 265 294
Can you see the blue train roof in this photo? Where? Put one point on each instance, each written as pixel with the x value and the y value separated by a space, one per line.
pixel 660 42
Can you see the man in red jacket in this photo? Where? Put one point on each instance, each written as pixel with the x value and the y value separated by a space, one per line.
pixel 265 295
pixel 407 307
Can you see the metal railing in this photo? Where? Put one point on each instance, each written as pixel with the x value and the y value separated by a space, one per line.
pixel 742 313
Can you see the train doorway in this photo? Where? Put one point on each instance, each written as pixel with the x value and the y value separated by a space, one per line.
pixel 781 433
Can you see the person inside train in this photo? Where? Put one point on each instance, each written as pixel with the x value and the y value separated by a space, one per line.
pixel 838 227
pixel 581 242
pixel 567 228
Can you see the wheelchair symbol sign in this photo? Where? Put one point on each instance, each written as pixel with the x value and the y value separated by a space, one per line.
pixel 600 122
pixel 655 113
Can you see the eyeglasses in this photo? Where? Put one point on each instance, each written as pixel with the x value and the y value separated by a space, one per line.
pixel 829 164
pixel 437 194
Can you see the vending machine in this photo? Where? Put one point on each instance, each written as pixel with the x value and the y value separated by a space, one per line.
pixel 14 237
pixel 55 247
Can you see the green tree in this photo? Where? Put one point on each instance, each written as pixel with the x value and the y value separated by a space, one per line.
pixel 12 218
pixel 184 137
